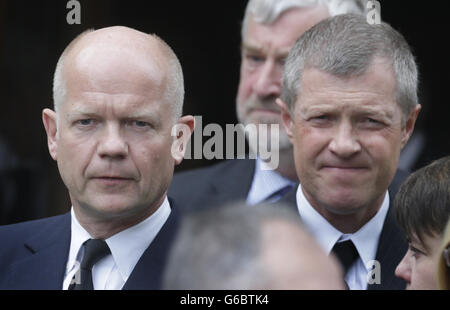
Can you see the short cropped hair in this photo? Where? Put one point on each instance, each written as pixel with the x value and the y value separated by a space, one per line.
pixel 174 93
pixel 268 11
pixel 345 46
pixel 422 205
pixel 220 248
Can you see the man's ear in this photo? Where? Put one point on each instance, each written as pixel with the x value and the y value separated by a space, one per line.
pixel 286 118
pixel 181 133
pixel 49 120
pixel 410 123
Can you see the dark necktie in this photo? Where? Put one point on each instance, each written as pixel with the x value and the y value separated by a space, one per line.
pixel 94 250
pixel 346 253
pixel 277 195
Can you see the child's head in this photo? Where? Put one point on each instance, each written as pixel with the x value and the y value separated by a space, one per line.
pixel 422 208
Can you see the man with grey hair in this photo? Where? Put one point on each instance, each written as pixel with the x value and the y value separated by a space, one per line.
pixel 349 105
pixel 270 28
pixel 118 93
pixel 235 247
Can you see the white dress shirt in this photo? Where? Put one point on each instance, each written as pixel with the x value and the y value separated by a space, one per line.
pixel 127 247
pixel 365 239
pixel 265 183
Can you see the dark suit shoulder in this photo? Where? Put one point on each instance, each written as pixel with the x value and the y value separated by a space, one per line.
pixel 222 182
pixel 17 233
pixel 14 239
pixel 399 178
pixel 187 183
pixel 212 170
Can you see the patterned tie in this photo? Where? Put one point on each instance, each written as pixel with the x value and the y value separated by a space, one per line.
pixel 94 250
pixel 277 195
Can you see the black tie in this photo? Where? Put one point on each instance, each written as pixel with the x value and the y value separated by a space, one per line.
pixel 94 250
pixel 346 253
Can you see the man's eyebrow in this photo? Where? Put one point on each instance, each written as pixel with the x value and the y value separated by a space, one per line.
pixel 86 111
pixel 142 115
pixel 329 107
pixel 251 47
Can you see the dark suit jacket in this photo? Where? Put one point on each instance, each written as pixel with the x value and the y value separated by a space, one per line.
pixel 230 181
pixel 225 182
pixel 33 255
pixel 392 245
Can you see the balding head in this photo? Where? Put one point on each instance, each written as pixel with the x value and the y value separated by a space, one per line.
pixel 116 92
pixel 242 247
pixel 293 259
pixel 119 52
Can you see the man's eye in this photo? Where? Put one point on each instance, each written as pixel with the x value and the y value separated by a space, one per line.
pixel 254 59
pixel 320 118
pixel 372 123
pixel 85 122
pixel 139 124
pixel 282 61
pixel 371 120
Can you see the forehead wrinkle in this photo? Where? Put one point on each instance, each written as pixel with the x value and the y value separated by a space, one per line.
pixel 129 105
pixel 368 108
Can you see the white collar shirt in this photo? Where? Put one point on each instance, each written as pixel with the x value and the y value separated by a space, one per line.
pixel 265 182
pixel 127 247
pixel 365 239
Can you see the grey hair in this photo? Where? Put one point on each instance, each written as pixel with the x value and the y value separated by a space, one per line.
pixel 268 11
pixel 59 83
pixel 174 93
pixel 175 84
pixel 221 248
pixel 346 46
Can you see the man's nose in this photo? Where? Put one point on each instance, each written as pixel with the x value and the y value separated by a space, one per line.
pixel 345 142
pixel 269 80
pixel 112 144
pixel 403 270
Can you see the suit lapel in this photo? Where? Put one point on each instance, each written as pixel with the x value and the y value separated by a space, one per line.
pixel 392 246
pixel 148 272
pixel 44 267
pixel 290 199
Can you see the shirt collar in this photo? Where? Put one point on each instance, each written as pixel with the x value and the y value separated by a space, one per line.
pixel 78 236
pixel 265 182
pixel 365 239
pixel 126 246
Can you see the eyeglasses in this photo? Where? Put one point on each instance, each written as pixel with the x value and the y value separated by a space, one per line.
pixel 446 255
